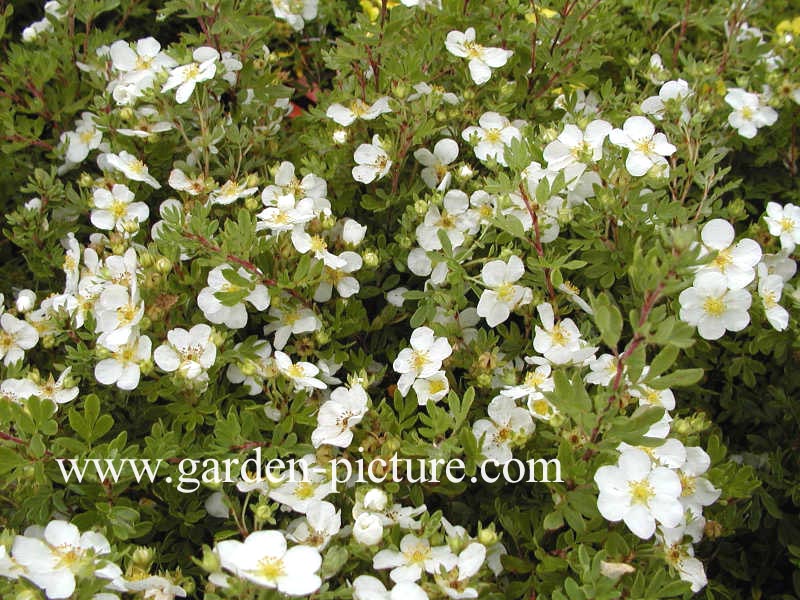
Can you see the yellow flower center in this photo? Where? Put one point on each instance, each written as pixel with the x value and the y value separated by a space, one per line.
pixel 540 407
pixel 787 224
pixel 87 136
pixel 127 313
pixel 419 358
pixel 318 244
pixel 723 260
pixel 641 491
pixel 558 336
pixel 770 300
pixel 417 554
pixel 493 136
pixel 505 292
pixel 6 341
pixel 645 146
pixel 304 490
pixel 747 113
pixel 192 72
pixel 436 386
pixel 688 483
pixel 295 371
pixel 714 306
pixel 119 209
pixel 270 568
pixel 137 167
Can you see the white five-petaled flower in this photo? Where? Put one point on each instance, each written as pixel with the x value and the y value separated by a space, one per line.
pixel 113 209
pixel 137 68
pixel 290 320
pixel 223 301
pixel 436 173
pixel 639 493
pixel 265 559
pixel 735 262
pixel 784 222
pixel 672 93
pixel 432 388
pixel 85 138
pixel 321 523
pixel 493 133
pixel 123 368
pixel 714 308
pixel 338 415
pixel 414 556
pixel 561 342
pixel 646 148
pixel 191 353
pixel 423 359
pixel 575 146
pixel 770 289
pixel 229 192
pixel 186 77
pixel 455 219
pixel 680 556
pixel 372 161
pixel 481 59
pixel 51 558
pixel 295 12
pixel 302 374
pixel 508 424
pixel 749 113
pixel 367 587
pixel 503 295
pixel 16 336
pixel 130 166
pixel 358 109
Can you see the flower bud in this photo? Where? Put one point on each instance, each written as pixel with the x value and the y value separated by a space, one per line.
pixel 488 536
pixel 143 557
pixel 26 300
pixel 163 265
pixel 400 90
pixel 339 136
pixel 252 202
pixel 420 207
pixel 126 113
pixel 368 529
pixel 375 500
pixel 353 232
pixel 371 259
pixel 263 512
pixel 210 562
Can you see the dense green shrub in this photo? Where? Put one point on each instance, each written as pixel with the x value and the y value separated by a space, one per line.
pixel 499 232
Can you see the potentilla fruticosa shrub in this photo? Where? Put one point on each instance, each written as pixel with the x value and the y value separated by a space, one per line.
pixel 533 246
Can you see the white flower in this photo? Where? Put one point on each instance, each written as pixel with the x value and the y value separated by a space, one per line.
pixel 639 494
pixel 481 59
pixel 358 109
pixel 508 425
pixel 671 93
pixel 436 173
pixel 118 311
pixel 680 557
pixel 230 192
pixel 16 336
pixel 415 555
pixel 124 366
pixel 713 308
pixel 573 146
pixel 736 263
pixel 84 139
pixel 304 242
pixel 433 388
pixel 367 587
pixel 223 301
pixel 561 342
pixel 353 232
pixel 138 68
pixel 784 222
pixel 321 523
pixel 697 492
pixel 310 186
pixel 186 77
pixel 646 148
pixel 455 219
pixel 302 490
pixel 54 390
pixel 26 300
pixel 253 372
pixel 368 529
pixel 113 209
pixel 340 278
pixel 190 353
pixel 503 296
pixel 493 133
pixel 302 374
pixel 264 559
pixel 423 359
pixel 770 288
pixel 285 214
pixel 454 582
pixel 338 415
pixel 372 161
pixel 290 321
pixel 604 370
pixel 295 12
pixel 533 388
pixel 52 559
pixel 130 166
pixel 396 297
pixel 749 114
